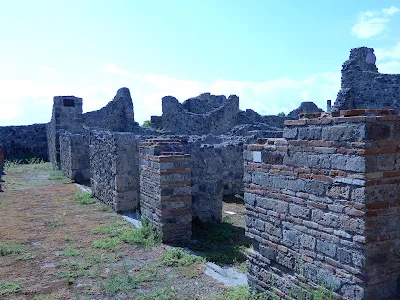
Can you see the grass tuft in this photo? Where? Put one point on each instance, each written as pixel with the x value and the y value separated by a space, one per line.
pixel 147 236
pixel 84 198
pixel 108 243
pixel 9 288
pixel 180 258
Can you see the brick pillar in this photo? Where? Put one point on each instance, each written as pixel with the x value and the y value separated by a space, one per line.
pixel 165 189
pixel 323 205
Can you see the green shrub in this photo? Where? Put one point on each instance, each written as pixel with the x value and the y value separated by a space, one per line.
pixel 147 124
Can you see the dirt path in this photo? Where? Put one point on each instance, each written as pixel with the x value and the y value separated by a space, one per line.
pixel 48 249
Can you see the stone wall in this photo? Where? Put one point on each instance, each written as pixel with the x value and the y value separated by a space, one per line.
pixel 2 160
pixel 364 87
pixel 114 168
pixel 165 189
pixel 21 142
pixel 322 206
pixel 67 116
pixel 117 115
pixel 74 156
pixel 177 119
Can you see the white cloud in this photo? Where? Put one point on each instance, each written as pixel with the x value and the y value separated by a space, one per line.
pixel 390 11
pixel 392 52
pixel 32 100
pixel 47 69
pixel 114 69
pixel 390 67
pixel 372 23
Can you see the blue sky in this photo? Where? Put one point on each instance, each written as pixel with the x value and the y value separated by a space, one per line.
pixel 272 54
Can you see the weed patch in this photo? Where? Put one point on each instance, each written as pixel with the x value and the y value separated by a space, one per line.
pixel 9 288
pixel 59 175
pixel 125 282
pixel 178 258
pixel 84 198
pixel 146 236
pixel 108 243
pixel 17 251
pixel 53 222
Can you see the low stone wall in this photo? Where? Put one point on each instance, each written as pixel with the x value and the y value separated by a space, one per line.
pixel 322 206
pixel 74 156
pixel 165 189
pixel 114 168
pixel 21 142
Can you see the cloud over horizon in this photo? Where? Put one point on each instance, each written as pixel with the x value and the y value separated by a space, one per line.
pixel 373 23
pixel 33 102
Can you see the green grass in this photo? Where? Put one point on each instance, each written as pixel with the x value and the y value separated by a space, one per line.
pixel 9 288
pixel 147 236
pixel 108 243
pixel 179 258
pixel 71 252
pixel 117 282
pixel 17 251
pixel 59 175
pixel 84 198
pixel 9 249
pixel 80 263
pixel 242 293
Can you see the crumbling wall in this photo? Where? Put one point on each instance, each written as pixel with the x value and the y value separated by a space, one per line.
pixel 117 115
pixel 204 103
pixel 74 156
pixel 165 189
pixel 21 142
pixel 177 119
pixel 364 87
pixel 67 116
pixel 114 168
pixel 304 108
pixel 322 206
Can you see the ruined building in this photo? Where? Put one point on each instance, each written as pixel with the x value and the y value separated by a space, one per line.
pixel 321 189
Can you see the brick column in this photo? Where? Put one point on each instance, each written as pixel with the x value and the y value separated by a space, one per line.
pixel 165 189
pixel 323 205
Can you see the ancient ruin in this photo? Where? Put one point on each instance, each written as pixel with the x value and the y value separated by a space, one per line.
pixel 321 189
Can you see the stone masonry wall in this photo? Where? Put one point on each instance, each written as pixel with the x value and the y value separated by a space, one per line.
pixel 114 168
pixel 165 189
pixel 74 156
pixel 2 159
pixel 24 141
pixel 67 116
pixel 364 87
pixel 178 120
pixel 323 206
pixel 117 115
